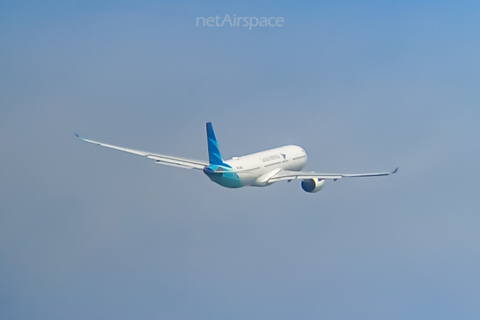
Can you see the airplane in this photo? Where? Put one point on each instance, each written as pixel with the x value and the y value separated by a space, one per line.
pixel 259 169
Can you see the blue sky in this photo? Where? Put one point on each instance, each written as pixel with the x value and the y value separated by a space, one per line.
pixel 366 86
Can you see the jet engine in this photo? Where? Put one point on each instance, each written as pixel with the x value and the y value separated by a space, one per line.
pixel 312 185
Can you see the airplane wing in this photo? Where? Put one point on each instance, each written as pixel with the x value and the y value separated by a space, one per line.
pixel 292 175
pixel 158 158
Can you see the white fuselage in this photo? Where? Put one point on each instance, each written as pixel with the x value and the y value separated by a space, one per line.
pixel 255 169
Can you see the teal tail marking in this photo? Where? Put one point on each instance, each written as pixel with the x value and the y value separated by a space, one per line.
pixel 213 153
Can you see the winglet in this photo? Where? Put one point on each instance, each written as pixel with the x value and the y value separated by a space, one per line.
pixel 394 171
pixel 79 137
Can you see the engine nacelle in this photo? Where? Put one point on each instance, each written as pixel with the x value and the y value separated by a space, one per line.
pixel 312 185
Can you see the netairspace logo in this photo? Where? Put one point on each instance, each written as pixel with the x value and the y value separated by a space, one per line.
pixel 249 22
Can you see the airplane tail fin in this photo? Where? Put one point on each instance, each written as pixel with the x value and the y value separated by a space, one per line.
pixel 213 153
